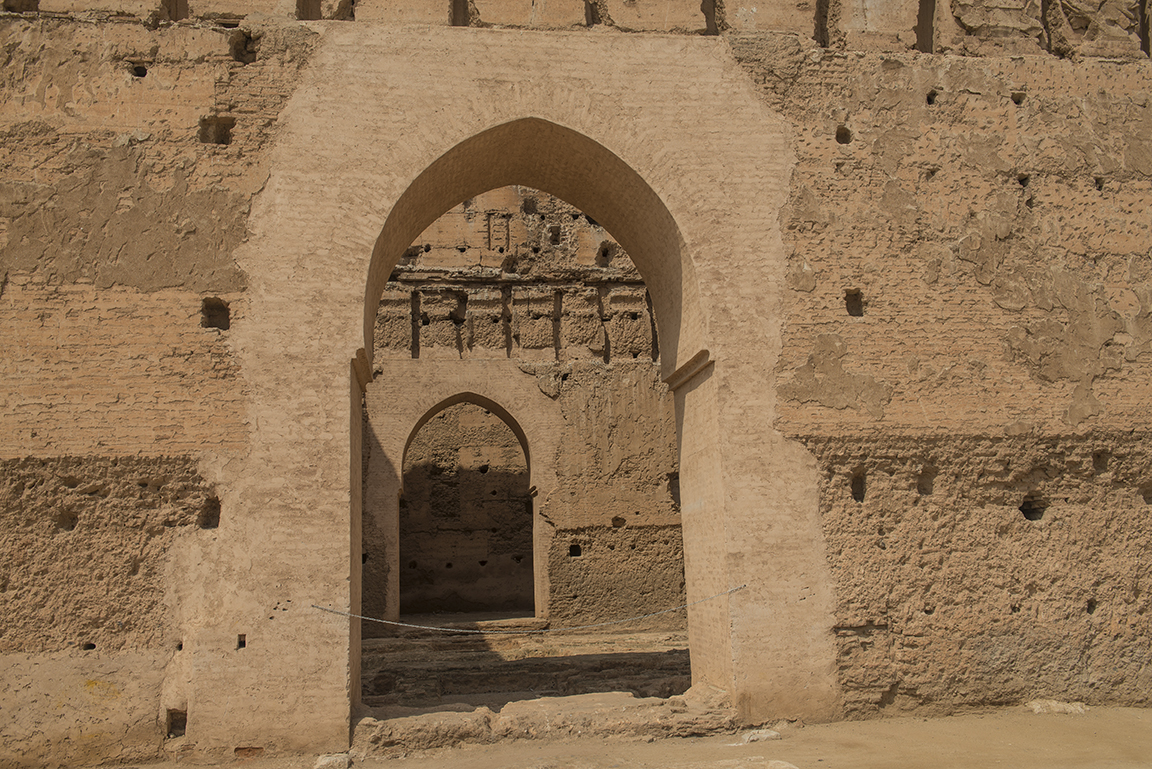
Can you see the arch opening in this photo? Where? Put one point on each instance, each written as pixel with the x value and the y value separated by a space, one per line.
pixel 567 188
pixel 539 154
pixel 466 514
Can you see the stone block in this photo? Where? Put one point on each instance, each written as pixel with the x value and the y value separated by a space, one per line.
pixel 441 318
pixel 656 15
pixel 393 337
pixel 405 11
pixel 628 324
pixel 581 329
pixel 879 25
pixel 533 323
pixel 141 8
pixel 486 325
pixel 549 14
pixel 796 16
pixel 235 9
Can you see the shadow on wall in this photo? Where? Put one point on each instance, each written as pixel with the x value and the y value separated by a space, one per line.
pixel 465 539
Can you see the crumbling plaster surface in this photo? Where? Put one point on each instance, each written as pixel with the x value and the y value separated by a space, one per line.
pixel 984 209
pixel 1010 225
pixel 949 597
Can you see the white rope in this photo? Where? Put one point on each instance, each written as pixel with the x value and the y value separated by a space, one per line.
pixel 527 632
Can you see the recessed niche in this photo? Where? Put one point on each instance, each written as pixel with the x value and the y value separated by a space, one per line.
pixel 857 485
pixel 926 480
pixel 241 641
pixel 854 302
pixel 618 521
pixel 66 520
pixel 209 517
pixel 1091 606
pixel 1033 507
pixel 215 313
pixel 1100 461
pixel 575 551
pixel 177 723
pixel 216 129
pixel 308 10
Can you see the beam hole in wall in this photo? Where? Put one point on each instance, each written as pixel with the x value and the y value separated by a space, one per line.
pixel 854 302
pixel 931 97
pixel 88 646
pixel 1023 179
pixel 1017 98
pixel 1090 607
pixel 242 47
pixel 209 517
pixel 1100 461
pixel 1099 183
pixel 139 71
pixel 619 521
pixel 180 646
pixel 575 551
pixel 926 26
pixel 857 485
pixel 1033 507
pixel 174 10
pixel 843 134
pixel 241 641
pixel 216 129
pixel 177 723
pixel 308 10
pixel 926 480
pixel 215 313
pixel 67 520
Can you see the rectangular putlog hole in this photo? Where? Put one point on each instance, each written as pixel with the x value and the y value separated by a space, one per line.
pixel 214 313
pixel 216 129
pixel 177 723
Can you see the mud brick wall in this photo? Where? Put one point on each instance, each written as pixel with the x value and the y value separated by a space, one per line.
pixel 978 570
pixel 959 365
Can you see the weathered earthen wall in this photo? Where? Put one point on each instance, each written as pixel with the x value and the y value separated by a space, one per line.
pixel 966 247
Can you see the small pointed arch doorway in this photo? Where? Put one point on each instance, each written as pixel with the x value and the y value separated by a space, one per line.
pixel 465 512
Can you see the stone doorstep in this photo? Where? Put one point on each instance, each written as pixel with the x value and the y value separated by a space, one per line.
pixel 391 731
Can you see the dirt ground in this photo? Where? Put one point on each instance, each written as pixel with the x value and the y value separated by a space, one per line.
pixel 1102 738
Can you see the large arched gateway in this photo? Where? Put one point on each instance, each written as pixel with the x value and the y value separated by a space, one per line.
pixel 358 178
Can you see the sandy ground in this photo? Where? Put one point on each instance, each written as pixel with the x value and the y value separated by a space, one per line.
pixel 1102 738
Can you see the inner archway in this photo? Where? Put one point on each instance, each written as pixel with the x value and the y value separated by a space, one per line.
pixel 466 517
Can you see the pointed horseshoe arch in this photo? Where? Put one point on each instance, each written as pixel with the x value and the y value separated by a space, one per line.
pixel 536 153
